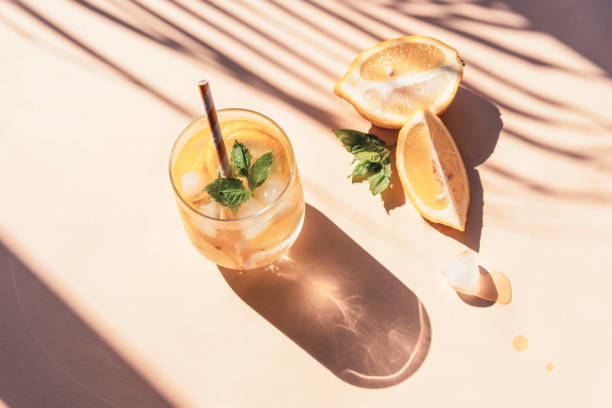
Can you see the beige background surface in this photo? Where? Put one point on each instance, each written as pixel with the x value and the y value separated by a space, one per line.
pixel 104 303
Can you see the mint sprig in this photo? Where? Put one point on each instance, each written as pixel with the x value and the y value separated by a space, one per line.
pixel 240 159
pixel 230 191
pixel 260 170
pixel 371 155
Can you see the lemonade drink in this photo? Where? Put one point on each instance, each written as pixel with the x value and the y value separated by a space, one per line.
pixel 263 228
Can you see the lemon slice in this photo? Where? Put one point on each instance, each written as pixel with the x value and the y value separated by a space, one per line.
pixel 390 81
pixel 431 170
pixel 258 138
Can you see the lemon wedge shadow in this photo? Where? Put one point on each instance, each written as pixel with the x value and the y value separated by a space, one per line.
pixel 475 124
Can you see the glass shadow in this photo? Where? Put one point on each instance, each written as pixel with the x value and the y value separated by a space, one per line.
pixel 340 305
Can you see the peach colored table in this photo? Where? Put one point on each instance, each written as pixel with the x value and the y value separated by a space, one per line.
pixel 104 303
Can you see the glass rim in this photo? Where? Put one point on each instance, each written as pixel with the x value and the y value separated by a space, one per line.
pixel 248 217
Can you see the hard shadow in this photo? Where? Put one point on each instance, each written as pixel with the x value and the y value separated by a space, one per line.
pixel 493 287
pixel 51 358
pixel 344 19
pixel 475 124
pixel 173 36
pixel 593 196
pixel 581 26
pixel 487 292
pixel 531 92
pixel 573 32
pixel 107 62
pixel 314 25
pixel 443 21
pixel 163 27
pixel 470 237
pixel 305 59
pixel 340 305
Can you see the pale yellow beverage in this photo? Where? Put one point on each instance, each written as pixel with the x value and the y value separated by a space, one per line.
pixel 263 227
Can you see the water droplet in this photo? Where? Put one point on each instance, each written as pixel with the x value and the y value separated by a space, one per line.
pixel 519 343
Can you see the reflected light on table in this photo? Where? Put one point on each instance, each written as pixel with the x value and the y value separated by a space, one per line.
pixel 340 305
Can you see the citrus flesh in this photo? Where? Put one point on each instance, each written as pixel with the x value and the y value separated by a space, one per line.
pixel 431 170
pixel 390 81
pixel 199 156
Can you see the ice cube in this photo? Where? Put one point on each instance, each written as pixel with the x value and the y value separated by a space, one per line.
pixel 192 184
pixel 241 245
pixel 257 259
pixel 250 207
pixel 270 190
pixel 271 254
pixel 257 150
pixel 254 227
pixel 462 272
pixel 211 209
pixel 205 226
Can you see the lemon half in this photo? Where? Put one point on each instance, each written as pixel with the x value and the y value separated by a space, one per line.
pixel 389 82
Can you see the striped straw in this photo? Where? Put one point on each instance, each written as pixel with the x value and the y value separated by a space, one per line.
pixel 211 114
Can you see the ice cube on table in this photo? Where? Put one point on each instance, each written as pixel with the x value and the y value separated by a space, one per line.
pixel 192 184
pixel 462 273
pixel 270 190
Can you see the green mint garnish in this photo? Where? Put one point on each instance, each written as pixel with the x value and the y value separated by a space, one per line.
pixel 240 159
pixel 379 181
pixel 365 167
pixel 260 170
pixel 229 191
pixel 371 155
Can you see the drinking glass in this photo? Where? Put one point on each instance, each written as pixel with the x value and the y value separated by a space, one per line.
pixel 265 226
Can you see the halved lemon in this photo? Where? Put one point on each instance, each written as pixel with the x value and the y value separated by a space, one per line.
pixel 389 82
pixel 431 170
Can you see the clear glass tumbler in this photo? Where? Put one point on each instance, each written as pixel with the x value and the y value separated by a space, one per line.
pixel 265 226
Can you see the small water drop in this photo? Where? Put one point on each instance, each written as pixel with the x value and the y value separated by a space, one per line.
pixel 519 343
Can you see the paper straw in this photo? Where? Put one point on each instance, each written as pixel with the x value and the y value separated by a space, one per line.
pixel 211 115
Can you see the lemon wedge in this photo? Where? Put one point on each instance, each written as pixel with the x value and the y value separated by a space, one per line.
pixel 431 170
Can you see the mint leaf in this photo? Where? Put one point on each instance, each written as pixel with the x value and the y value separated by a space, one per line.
pixel 369 145
pixel 348 137
pixel 355 141
pixel 260 170
pixel 385 157
pixel 379 181
pixel 365 167
pixel 229 192
pixel 371 155
pixel 240 159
